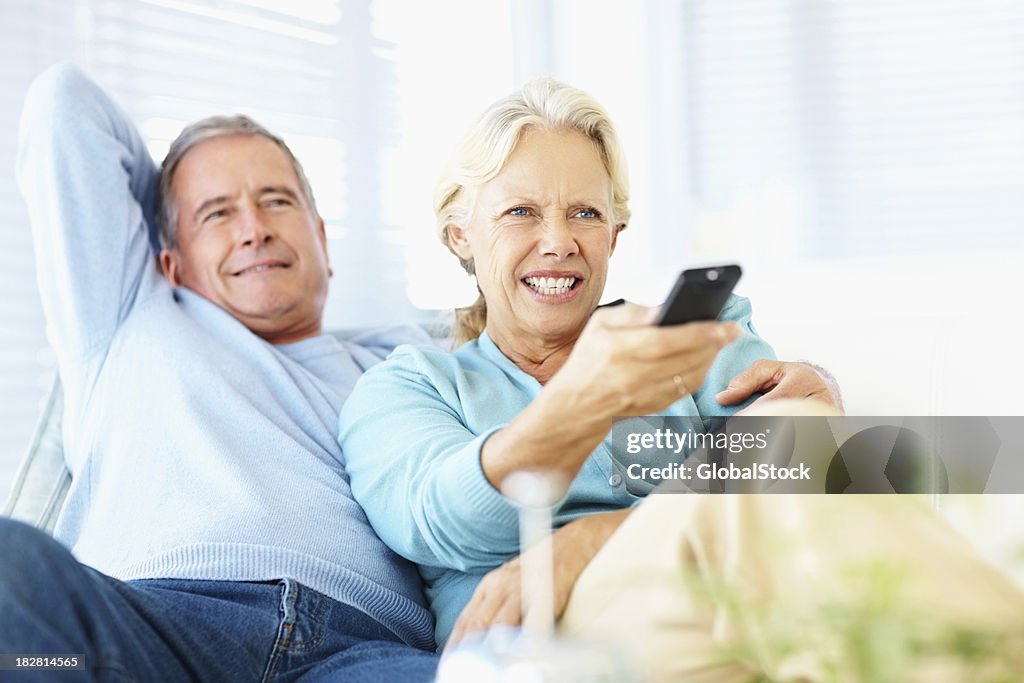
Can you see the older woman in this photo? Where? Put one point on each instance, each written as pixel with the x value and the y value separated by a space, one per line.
pixel 533 205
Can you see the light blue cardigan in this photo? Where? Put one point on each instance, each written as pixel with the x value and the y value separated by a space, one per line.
pixel 411 434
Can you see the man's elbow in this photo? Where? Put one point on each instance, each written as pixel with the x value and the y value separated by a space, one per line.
pixel 62 98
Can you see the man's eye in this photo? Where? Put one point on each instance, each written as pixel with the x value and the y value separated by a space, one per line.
pixel 278 201
pixel 214 215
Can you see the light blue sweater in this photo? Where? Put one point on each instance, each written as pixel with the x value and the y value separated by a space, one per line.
pixel 197 450
pixel 412 431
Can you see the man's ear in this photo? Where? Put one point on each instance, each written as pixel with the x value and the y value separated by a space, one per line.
pixel 615 236
pixel 170 264
pixel 458 241
pixel 321 233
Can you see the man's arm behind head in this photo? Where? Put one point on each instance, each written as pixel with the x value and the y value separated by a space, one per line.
pixel 90 185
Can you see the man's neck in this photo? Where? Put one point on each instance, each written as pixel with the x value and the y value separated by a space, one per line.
pixel 289 335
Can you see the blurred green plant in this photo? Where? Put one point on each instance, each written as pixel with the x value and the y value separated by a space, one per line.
pixel 873 639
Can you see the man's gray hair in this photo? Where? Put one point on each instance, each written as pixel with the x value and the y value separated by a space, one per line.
pixel 201 131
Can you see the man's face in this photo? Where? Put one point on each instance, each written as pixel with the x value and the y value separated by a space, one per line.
pixel 247 239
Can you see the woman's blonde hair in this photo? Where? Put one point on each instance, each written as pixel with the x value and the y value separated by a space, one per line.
pixel 542 104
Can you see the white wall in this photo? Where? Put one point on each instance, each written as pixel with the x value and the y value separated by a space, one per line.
pixel 927 336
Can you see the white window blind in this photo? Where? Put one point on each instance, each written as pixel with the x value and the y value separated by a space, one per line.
pixel 33 33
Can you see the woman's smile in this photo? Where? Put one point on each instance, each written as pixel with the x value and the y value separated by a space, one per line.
pixel 553 287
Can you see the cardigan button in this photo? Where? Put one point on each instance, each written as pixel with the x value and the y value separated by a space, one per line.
pixel 614 480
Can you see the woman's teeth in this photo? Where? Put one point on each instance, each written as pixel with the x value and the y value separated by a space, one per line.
pixel 551 285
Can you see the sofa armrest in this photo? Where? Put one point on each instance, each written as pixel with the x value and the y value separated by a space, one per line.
pixel 42 480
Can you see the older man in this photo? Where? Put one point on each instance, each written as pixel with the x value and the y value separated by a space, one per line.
pixel 213 530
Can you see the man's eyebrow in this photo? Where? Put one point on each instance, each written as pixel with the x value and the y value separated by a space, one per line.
pixel 207 204
pixel 280 189
pixel 269 189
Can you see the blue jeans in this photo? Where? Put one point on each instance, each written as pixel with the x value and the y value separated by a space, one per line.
pixel 178 630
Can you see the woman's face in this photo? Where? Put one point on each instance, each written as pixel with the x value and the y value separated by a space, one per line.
pixel 540 234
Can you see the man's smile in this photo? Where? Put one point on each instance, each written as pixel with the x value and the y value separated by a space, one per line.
pixel 261 267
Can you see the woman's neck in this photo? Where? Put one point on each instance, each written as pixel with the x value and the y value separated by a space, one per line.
pixel 538 358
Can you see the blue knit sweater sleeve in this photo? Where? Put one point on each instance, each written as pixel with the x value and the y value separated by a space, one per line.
pixel 90 186
pixel 732 360
pixel 414 465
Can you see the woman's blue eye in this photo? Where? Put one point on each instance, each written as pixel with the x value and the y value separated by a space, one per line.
pixel 518 211
pixel 588 213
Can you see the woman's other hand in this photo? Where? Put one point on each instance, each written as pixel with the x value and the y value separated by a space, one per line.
pixel 782 380
pixel 498 597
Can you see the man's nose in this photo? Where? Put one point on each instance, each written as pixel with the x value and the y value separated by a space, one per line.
pixel 558 238
pixel 252 228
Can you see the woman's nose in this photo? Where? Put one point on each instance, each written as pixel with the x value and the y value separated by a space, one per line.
pixel 558 239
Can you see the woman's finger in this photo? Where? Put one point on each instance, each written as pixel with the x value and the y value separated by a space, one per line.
pixel 488 601
pixel 663 385
pixel 510 613
pixel 660 343
pixel 761 376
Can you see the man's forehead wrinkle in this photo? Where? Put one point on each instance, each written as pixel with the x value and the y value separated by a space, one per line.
pixel 224 171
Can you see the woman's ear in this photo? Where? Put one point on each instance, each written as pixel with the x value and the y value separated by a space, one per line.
pixel 615 236
pixel 458 241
